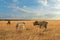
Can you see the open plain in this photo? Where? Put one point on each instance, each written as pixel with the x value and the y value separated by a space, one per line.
pixel 9 32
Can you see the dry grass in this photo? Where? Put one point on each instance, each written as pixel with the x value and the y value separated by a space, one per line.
pixel 8 32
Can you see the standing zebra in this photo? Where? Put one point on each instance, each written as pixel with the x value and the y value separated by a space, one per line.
pixel 20 25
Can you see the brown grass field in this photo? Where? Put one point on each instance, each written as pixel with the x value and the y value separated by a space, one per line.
pixel 8 32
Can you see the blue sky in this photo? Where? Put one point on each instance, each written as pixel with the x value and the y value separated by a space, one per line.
pixel 30 9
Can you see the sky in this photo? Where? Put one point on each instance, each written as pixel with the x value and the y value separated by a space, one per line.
pixel 30 9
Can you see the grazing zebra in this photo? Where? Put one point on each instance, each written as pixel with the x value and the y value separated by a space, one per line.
pixel 8 22
pixel 36 23
pixel 44 24
pixel 20 25
pixel 41 24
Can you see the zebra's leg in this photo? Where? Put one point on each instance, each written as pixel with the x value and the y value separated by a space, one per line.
pixel 40 26
pixel 45 27
pixel 16 27
pixel 24 28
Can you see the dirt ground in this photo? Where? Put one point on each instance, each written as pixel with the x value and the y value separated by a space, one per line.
pixel 9 32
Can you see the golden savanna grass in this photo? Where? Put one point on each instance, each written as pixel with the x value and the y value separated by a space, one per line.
pixel 9 32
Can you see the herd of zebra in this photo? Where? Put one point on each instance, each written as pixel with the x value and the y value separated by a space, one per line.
pixel 22 24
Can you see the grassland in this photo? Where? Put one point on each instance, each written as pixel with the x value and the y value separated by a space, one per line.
pixel 8 32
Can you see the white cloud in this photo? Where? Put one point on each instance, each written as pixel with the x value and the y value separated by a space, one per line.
pixel 58 0
pixel 44 2
pixel 24 9
pixel 53 12
pixel 57 17
pixel 19 9
pixel 39 14
pixel 55 4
